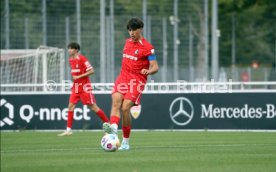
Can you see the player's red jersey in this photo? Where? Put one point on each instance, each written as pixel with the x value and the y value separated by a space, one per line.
pixel 135 57
pixel 131 82
pixel 80 65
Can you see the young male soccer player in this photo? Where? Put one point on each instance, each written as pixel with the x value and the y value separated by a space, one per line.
pixel 138 62
pixel 82 88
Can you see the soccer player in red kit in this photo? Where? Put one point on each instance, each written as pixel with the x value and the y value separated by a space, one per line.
pixel 138 62
pixel 82 88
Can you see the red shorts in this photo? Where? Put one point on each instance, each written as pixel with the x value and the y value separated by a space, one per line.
pixel 130 87
pixel 87 98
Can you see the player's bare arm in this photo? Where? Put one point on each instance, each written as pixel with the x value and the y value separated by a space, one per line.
pixel 89 72
pixel 152 69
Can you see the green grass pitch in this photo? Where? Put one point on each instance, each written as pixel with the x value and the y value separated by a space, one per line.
pixel 151 151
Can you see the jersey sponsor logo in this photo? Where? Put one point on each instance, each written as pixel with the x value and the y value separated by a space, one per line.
pixel 75 70
pixel 130 57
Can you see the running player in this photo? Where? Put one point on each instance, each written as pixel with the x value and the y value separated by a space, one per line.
pixel 138 62
pixel 82 88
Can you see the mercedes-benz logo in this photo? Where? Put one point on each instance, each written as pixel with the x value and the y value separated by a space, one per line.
pixel 181 111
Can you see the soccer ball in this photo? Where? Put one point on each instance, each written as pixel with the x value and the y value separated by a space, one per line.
pixel 110 142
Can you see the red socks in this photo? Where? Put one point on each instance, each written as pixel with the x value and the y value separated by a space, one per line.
pixel 70 119
pixel 102 115
pixel 114 120
pixel 126 131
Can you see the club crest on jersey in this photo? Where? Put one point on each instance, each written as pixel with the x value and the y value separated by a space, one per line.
pixel 136 52
pixel 77 65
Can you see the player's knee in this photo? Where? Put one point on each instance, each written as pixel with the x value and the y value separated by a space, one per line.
pixel 116 104
pixel 94 107
pixel 125 109
pixel 117 99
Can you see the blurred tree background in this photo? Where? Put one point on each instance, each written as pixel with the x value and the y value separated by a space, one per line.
pixel 247 29
pixel 255 22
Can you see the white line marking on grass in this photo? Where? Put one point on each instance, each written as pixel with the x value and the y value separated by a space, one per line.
pixel 197 146
pixel 45 150
pixel 134 147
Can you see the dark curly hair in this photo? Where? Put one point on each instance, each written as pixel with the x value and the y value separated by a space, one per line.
pixel 74 45
pixel 134 23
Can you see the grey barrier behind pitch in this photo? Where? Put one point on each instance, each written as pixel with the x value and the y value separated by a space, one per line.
pixel 241 111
